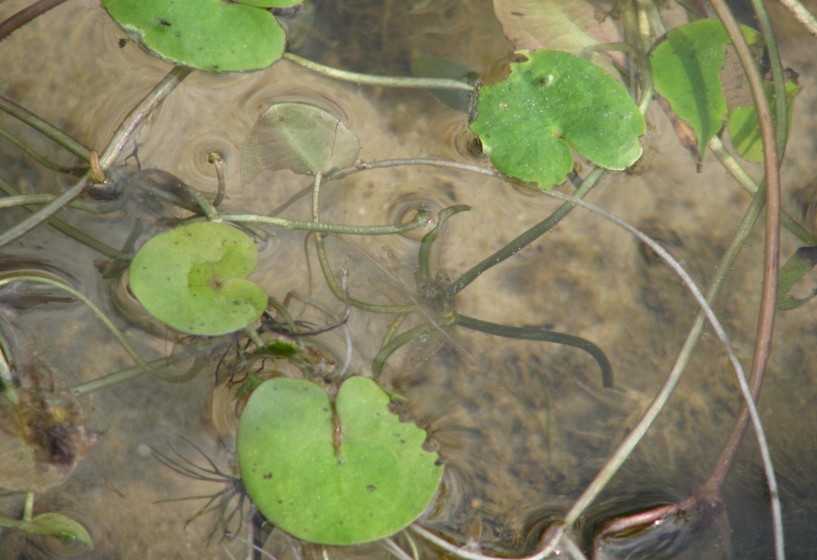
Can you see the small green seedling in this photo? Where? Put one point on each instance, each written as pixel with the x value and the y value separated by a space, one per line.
pixel 194 279
pixel 339 473
pixel 302 138
pixel 554 100
pixel 211 35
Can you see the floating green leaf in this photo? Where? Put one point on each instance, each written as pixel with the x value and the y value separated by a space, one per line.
pixel 686 71
pixel 193 278
pixel 299 137
pixel 211 35
pixel 555 100
pixel 744 128
pixel 352 476
pixel 52 525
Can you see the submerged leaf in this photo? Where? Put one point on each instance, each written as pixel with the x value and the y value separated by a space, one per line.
pixel 555 100
pixel 566 25
pixel 211 35
pixel 798 265
pixel 299 137
pixel 194 279
pixel 51 525
pixel 337 473
pixel 744 128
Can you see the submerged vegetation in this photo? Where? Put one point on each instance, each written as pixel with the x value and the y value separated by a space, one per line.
pixel 311 393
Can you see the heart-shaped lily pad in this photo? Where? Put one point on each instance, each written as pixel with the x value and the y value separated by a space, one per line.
pixel 193 278
pixel 550 102
pixel 337 473
pixel 211 35
pixel 300 137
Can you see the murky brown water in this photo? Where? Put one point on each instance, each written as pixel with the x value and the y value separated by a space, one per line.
pixel 522 426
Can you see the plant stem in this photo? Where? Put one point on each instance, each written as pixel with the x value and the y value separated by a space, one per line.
pixel 541 335
pixel 15 22
pixel 395 343
pixel 424 260
pixel 11 277
pixel 361 166
pixel 34 155
pixel 17 199
pixel 421 219
pixel 386 81
pixel 765 326
pixel 802 15
pixel 740 175
pixel 28 508
pixel 43 127
pixel 112 151
pixel 593 490
pixel 337 291
pixel 140 113
pixel 524 239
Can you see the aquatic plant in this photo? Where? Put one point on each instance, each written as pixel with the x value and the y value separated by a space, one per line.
pixel 375 477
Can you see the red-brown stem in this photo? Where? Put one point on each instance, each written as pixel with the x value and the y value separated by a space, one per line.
pixel 25 15
pixel 765 326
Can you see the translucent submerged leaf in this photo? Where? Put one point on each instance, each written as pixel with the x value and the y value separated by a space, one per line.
pixel 51 525
pixel 211 35
pixel 564 25
pixel 194 279
pixel 555 100
pixel 352 476
pixel 744 128
pixel 299 137
pixel 686 70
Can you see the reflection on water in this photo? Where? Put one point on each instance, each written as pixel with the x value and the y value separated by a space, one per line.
pixel 523 427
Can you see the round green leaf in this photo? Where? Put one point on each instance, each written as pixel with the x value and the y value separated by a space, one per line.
pixel 194 279
pixel 345 477
pixel 552 101
pixel 302 138
pixel 211 35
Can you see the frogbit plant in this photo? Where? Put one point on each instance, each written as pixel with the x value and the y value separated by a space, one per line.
pixel 340 472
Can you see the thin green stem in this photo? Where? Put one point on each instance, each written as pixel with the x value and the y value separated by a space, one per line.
pixel 744 180
pixel 337 291
pixel 524 239
pixel 16 199
pixel 421 219
pixel 384 81
pixel 122 376
pixel 660 400
pixel 43 127
pixel 362 166
pixel 28 508
pixel 140 113
pixel 112 151
pixel 217 159
pixel 541 335
pixel 9 278
pixel 34 155
pixel 395 343
pixel 424 259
